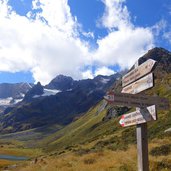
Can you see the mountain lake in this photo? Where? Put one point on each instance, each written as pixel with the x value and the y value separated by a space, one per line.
pixel 13 158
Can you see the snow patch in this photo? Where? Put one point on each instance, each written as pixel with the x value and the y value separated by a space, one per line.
pixel 5 101
pixel 22 95
pixel 9 101
pixel 69 89
pixel 17 101
pixel 47 92
pixel 104 80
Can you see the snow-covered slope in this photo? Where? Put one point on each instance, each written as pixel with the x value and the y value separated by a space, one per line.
pixel 47 92
pixel 11 94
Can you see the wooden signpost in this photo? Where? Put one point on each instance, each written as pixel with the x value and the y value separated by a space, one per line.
pixel 139 85
pixel 135 81
pixel 138 72
pixel 136 100
pixel 139 116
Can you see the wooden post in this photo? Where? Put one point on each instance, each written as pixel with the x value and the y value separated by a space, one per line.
pixel 142 147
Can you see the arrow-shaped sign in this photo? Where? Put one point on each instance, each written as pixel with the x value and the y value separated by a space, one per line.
pixel 139 85
pixel 138 72
pixel 139 116
pixel 136 100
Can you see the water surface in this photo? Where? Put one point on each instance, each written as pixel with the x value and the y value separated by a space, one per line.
pixel 9 157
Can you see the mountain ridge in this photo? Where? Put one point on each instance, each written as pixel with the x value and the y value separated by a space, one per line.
pixel 37 110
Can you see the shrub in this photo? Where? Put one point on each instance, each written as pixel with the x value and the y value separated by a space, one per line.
pixel 114 143
pixel 162 150
pixel 164 164
pixel 89 161
pixel 125 167
pixel 81 152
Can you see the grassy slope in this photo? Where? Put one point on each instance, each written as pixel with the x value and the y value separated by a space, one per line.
pixel 90 127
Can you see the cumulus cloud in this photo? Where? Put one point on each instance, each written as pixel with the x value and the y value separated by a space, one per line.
pixel 167 36
pixel 47 45
pixel 159 27
pixel 104 71
pixel 124 42
pixel 116 14
pixel 87 74
pixel 47 42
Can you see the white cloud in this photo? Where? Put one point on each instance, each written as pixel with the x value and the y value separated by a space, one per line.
pixel 46 50
pixel 116 14
pixel 87 74
pixel 123 47
pixel 124 43
pixel 47 42
pixel 88 34
pixel 159 27
pixel 167 36
pixel 104 71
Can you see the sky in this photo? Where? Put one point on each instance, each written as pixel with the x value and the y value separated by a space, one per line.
pixel 40 39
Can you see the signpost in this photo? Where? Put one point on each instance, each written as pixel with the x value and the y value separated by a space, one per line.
pixel 134 82
pixel 138 72
pixel 139 116
pixel 135 100
pixel 139 85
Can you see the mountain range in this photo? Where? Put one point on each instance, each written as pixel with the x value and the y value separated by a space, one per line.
pixel 59 102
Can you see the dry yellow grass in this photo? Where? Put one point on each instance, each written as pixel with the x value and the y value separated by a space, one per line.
pixel 4 163
pixel 99 161
pixel 95 161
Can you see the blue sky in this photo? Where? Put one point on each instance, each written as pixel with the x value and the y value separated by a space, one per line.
pixel 40 39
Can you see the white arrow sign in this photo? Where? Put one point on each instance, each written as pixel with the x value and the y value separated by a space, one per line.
pixel 139 85
pixel 139 116
pixel 138 72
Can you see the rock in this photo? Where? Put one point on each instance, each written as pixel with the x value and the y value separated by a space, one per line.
pixel 168 130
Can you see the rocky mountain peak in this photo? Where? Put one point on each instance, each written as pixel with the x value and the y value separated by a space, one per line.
pixel 162 56
pixel 13 90
pixel 36 90
pixel 61 83
pixel 62 77
pixel 158 54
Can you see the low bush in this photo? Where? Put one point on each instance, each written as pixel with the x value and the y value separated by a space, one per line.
pixel 161 150
pixel 125 167
pixel 164 164
pixel 161 165
pixel 114 143
pixel 89 161
pixel 81 152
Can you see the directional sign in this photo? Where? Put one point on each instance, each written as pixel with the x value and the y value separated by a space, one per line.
pixel 138 72
pixel 139 85
pixel 136 100
pixel 139 116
